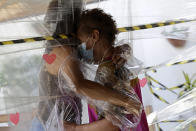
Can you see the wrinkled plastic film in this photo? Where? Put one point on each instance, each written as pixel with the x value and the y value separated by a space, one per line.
pixel 185 108
pixel 67 108
pixel 13 67
pixel 146 34
pixel 140 13
pixel 183 57
pixel 43 102
pixel 19 95
pixel 113 111
pixel 191 122
pixel 59 19
pixel 43 23
pixel 124 49
pixel 188 54
pixel 52 12
pixel 46 99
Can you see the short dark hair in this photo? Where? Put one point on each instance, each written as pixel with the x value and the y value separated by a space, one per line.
pixel 98 19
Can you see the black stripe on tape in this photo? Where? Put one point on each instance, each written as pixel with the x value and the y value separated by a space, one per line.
pixel 128 28
pixel 142 27
pixel 190 61
pixel 18 41
pixel 167 23
pixel 39 38
pixel 155 25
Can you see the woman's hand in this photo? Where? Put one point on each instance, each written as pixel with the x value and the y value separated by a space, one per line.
pixel 132 106
pixel 121 54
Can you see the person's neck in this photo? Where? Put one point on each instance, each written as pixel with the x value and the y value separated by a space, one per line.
pixel 108 53
pixel 104 53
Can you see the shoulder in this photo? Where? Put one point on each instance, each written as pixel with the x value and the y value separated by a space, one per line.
pixel 62 50
pixel 57 56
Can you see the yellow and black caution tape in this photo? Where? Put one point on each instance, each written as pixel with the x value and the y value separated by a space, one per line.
pixel 159 128
pixel 149 78
pixel 161 84
pixel 169 64
pixel 163 87
pixel 172 88
pixel 183 92
pixel 176 87
pixel 181 62
pixel 153 25
pixel 123 29
pixel 34 39
pixel 167 121
pixel 156 95
pixel 190 127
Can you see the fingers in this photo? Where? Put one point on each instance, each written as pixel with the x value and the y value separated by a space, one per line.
pixel 119 61
pixel 115 58
pixel 133 106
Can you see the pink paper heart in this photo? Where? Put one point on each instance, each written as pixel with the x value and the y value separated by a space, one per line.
pixel 49 58
pixel 14 118
pixel 143 82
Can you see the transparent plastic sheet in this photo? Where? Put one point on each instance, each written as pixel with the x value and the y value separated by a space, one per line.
pixel 57 17
pixel 184 31
pixel 20 26
pixel 34 95
pixel 145 34
pixel 19 94
pixel 66 90
pixel 46 99
pixel 188 54
pixel 139 68
pixel 49 99
pixel 142 12
pixel 133 64
pixel 18 71
pixel 53 113
pixel 185 126
pixel 114 113
pixel 183 108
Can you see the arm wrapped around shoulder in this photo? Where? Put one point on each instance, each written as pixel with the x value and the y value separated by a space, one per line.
pixel 115 99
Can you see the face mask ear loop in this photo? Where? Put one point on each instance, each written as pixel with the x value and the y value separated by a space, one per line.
pixel 105 52
pixel 87 39
pixel 93 45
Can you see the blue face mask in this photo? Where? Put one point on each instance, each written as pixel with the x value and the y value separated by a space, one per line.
pixel 86 55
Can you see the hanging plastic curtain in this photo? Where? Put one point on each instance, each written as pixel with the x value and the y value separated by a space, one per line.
pixel 183 109
pixel 27 89
pixel 26 95
pixel 39 97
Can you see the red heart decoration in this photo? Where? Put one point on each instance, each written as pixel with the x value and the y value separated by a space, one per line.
pixel 49 58
pixel 143 82
pixel 14 118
